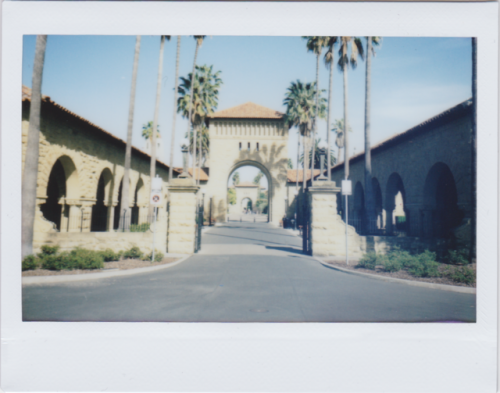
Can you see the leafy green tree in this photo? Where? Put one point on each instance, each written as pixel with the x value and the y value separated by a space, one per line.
pixel 203 136
pixel 355 47
pixel 231 196
pixel 257 178
pixel 370 200
pixel 338 128
pixel 236 178
pixel 30 171
pixel 290 163
pixel 317 160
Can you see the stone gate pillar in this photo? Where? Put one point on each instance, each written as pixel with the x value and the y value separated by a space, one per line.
pixel 327 227
pixel 181 227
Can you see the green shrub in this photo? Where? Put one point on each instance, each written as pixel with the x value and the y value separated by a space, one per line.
pixel 60 261
pixel 424 265
pixel 158 256
pixel 139 227
pixel 76 259
pixel 369 261
pixel 133 253
pixel 29 263
pixel 48 250
pixel 404 257
pixel 391 262
pixel 109 255
pixel 86 259
pixel 462 274
pixel 458 257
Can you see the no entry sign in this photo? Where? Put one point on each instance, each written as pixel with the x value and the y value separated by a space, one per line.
pixel 156 198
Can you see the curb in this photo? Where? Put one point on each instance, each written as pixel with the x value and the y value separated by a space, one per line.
pixel 443 287
pixel 95 276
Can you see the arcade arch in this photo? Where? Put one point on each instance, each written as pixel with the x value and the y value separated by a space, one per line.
pixel 397 219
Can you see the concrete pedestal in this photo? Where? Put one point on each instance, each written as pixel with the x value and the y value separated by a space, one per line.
pixel 181 227
pixel 327 227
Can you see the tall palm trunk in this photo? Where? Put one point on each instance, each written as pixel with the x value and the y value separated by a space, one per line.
pixel 172 143
pixel 315 118
pixel 370 205
pixel 152 167
pixel 128 150
pixel 330 88
pixel 346 126
pixel 190 120
pixel 30 173
pixel 472 245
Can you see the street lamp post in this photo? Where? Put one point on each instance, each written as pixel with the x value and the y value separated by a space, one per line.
pixel 286 209
pixel 296 193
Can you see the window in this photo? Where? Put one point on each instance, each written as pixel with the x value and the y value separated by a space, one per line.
pixel 240 145
pixel 257 146
pixel 248 146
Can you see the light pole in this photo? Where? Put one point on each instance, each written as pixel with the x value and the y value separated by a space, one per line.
pixel 184 149
pixel 210 218
pixel 286 208
pixel 203 192
pixel 296 193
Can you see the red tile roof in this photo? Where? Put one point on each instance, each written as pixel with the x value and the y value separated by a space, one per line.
pixel 246 184
pixel 26 94
pixel 248 111
pixel 292 175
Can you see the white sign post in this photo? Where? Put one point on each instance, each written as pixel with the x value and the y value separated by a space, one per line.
pixel 156 201
pixel 346 190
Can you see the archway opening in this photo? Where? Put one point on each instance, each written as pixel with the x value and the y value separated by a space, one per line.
pixel 138 194
pixel 440 200
pixel 118 208
pixel 248 194
pixel 377 199
pixel 397 219
pixel 100 210
pixel 52 209
pixel 358 215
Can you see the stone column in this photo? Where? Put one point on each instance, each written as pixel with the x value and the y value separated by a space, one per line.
pixel 181 227
pixel 110 219
pixel 327 227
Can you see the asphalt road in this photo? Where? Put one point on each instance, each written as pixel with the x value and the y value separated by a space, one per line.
pixel 246 272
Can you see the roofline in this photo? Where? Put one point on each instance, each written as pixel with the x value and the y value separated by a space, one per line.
pixel 450 114
pixel 46 100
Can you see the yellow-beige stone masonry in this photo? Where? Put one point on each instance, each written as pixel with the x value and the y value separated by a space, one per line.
pixel 327 228
pixel 262 143
pixel 86 152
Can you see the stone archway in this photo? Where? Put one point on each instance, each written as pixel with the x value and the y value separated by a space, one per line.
pixel 248 134
pixel 397 219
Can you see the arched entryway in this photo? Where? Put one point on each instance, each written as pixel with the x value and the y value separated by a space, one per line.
pixel 62 184
pixel 358 209
pixel 441 213
pixel 397 219
pixel 138 199
pixel 377 199
pixel 100 209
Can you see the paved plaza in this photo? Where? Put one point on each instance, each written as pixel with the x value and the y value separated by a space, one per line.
pixel 245 272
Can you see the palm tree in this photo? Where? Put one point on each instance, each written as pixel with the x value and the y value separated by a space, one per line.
pixel 354 43
pixel 204 139
pixel 329 61
pixel 170 169
pixel 152 167
pixel 199 40
pixel 236 178
pixel 369 202
pixel 316 156
pixel 128 150
pixel 315 45
pixel 338 128
pixel 300 101
pixel 147 130
pixel 199 100
pixel 30 172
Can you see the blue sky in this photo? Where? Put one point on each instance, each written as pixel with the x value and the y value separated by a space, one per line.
pixel 412 79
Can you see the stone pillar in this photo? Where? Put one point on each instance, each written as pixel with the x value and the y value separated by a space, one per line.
pixel 181 227
pixel 110 219
pixel 327 227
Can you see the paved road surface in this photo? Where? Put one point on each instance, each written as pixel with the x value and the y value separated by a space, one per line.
pixel 246 272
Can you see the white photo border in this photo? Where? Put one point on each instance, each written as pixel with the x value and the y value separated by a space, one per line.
pixel 341 357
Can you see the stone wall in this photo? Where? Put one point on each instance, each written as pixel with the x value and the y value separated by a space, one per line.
pixel 85 152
